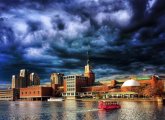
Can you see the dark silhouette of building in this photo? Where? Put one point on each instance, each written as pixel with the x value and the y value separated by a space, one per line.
pixel 34 79
pixel 25 79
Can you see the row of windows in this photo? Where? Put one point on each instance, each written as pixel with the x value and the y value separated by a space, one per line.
pixel 72 93
pixel 70 89
pixel 65 77
pixel 34 92
pixel 82 78
pixel 72 85
pixel 70 80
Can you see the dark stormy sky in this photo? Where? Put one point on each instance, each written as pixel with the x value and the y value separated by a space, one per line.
pixel 47 36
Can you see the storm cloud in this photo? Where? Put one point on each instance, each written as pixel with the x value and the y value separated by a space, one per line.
pixel 47 36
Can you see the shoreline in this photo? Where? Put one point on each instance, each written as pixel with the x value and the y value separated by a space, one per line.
pixel 121 99
pixel 111 99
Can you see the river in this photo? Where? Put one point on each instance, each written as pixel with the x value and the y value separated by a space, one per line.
pixel 78 110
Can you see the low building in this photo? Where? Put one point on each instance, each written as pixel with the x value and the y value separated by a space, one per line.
pixel 35 93
pixel 9 94
pixel 93 91
pixel 120 95
pixel 110 83
pixel 57 90
pixel 99 88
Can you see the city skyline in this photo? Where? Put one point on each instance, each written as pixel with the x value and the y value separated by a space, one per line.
pixel 53 36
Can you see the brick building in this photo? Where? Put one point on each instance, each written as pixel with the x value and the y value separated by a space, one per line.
pixel 35 93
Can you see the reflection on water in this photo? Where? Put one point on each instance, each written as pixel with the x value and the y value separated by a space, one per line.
pixel 76 110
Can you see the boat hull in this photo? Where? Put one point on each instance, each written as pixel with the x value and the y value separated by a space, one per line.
pixel 55 99
pixel 108 105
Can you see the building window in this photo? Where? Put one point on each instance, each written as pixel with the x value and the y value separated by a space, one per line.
pixel 38 92
pixel 22 93
pixel 29 92
pixel 34 92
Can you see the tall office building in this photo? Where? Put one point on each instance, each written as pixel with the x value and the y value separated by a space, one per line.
pixel 56 78
pixel 34 79
pixel 24 78
pixel 56 81
pixel 15 82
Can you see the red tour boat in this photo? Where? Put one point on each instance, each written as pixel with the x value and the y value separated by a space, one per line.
pixel 108 105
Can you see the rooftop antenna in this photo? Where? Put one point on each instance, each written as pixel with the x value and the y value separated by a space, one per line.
pixel 88 47
pixel 88 55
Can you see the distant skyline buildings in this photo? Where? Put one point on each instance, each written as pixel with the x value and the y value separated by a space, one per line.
pixel 34 79
pixel 25 79
pixel 83 85
pixel 56 78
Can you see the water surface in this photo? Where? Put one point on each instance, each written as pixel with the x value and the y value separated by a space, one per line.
pixel 77 110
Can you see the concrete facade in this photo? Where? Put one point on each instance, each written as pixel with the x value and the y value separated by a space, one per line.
pixel 9 94
pixel 73 84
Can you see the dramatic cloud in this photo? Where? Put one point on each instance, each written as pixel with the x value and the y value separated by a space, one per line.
pixel 53 36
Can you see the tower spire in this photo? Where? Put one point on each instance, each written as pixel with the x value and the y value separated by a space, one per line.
pixel 88 70
pixel 88 55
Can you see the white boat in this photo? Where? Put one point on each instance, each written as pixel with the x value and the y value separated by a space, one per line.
pixel 55 99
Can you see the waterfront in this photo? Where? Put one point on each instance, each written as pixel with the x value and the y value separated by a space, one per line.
pixel 78 110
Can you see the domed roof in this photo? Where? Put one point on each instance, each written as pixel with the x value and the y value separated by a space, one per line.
pixel 131 82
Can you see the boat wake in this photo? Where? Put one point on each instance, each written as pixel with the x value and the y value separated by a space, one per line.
pixel 90 110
